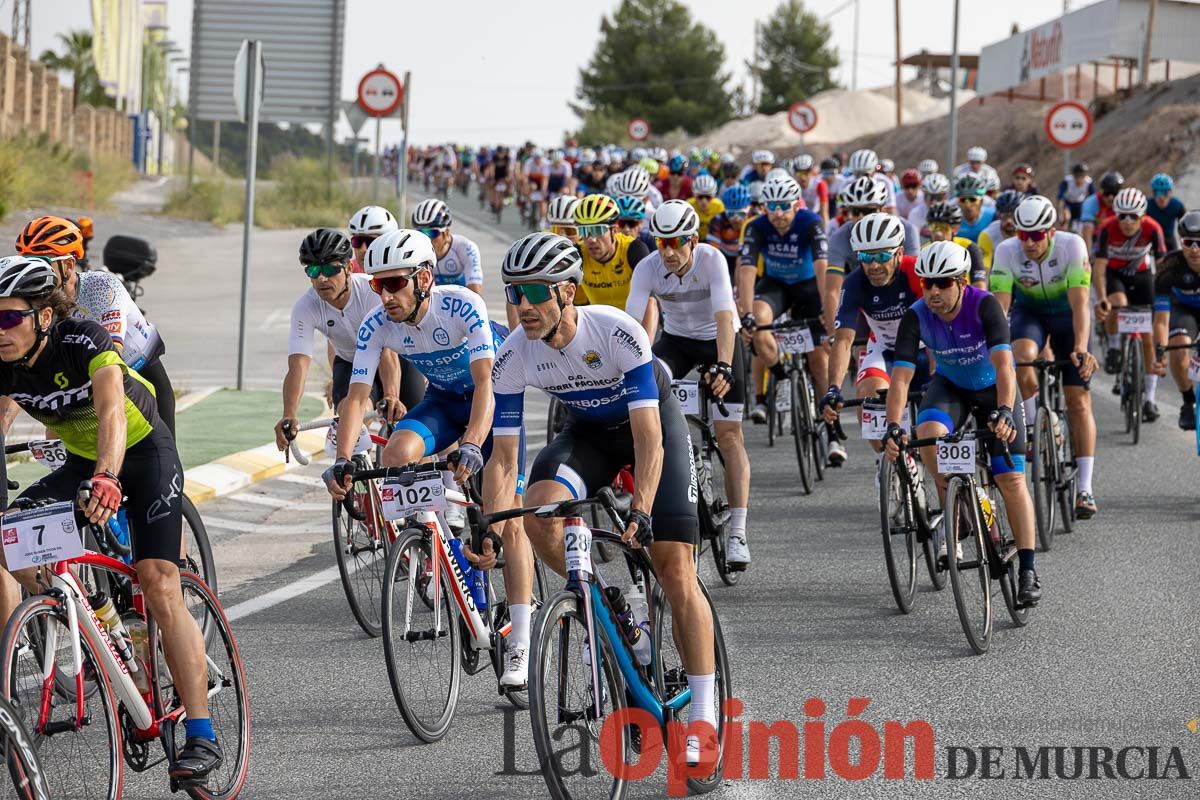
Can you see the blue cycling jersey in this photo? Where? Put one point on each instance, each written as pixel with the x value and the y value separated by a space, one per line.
pixel 971 230
pixel 962 347
pixel 788 257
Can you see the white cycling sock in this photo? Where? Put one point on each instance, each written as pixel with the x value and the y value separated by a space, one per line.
pixel 519 613
pixel 1151 387
pixel 702 708
pixel 1029 406
pixel 1085 464
pixel 737 522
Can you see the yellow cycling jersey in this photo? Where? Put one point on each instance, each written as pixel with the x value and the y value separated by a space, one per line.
pixel 607 282
pixel 715 206
pixel 988 247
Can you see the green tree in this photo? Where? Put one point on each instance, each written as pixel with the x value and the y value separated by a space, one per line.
pixel 77 60
pixel 794 59
pixel 654 61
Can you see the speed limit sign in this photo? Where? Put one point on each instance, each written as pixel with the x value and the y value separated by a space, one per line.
pixel 638 129
pixel 802 117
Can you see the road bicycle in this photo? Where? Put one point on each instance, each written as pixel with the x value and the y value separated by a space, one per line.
pixel 975 519
pixel 441 616
pixel 26 778
pixel 1133 322
pixel 792 401
pixel 1053 474
pixel 96 696
pixel 1193 373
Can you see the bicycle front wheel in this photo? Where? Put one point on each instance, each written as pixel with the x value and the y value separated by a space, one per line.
pixel 1042 476
pixel 802 430
pixel 563 703
pixel 1067 471
pixel 78 760
pixel 1138 379
pixel 420 639
pixel 899 535
pixel 27 779
pixel 1008 573
pixel 361 553
pixel 197 551
pixel 969 575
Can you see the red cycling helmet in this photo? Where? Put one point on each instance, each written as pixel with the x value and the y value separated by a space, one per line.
pixel 1023 169
pixel 910 178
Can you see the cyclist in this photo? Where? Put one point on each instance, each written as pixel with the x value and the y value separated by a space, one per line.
pixel 705 201
pixel 560 216
pixel 559 177
pixel 1073 190
pixel 969 192
pixel 631 213
pixel 367 224
pixel 880 291
pixel 620 411
pixel 976 164
pixel 690 281
pixel 935 187
pixel 787 251
pixel 1041 279
pixel 677 185
pixel 608 257
pixel 1022 180
pixel 1002 226
pixel 927 166
pixel 1166 210
pixel 761 162
pixel 100 296
pixel 1122 276
pixel 501 173
pixel 67 374
pixel 813 189
pixel 635 182
pixel 458 260
pixel 445 332
pixel 909 196
pixel 335 305
pixel 968 335
pixel 725 230
pixel 1097 208
pixel 866 163
pixel 944 220
pixel 1177 309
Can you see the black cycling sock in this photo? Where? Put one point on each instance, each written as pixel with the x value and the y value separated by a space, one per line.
pixel 1189 397
pixel 760 399
pixel 1026 557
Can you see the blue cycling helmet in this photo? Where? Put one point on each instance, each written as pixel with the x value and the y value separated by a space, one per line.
pixel 736 198
pixel 1161 183
pixel 629 207
pixel 678 165
pixel 1008 200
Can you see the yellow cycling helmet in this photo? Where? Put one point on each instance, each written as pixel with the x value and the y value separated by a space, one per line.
pixel 596 209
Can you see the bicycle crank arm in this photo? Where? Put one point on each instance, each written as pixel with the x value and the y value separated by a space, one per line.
pixel 65 726
pixel 424 636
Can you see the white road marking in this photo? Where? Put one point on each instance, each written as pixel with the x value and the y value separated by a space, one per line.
pixel 257 527
pixel 303 480
pixel 285 593
pixel 276 502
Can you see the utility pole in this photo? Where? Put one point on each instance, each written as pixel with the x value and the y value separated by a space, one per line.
pixel 754 100
pixel 20 23
pixel 953 156
pixel 899 92
pixel 854 58
pixel 1146 51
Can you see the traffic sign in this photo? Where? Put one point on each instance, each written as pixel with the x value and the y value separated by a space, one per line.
pixel 638 129
pixel 1068 124
pixel 380 92
pixel 802 116
pixel 240 83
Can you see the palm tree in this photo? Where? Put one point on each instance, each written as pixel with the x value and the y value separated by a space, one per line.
pixel 78 61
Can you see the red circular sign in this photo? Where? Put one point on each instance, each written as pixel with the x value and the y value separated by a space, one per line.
pixel 802 117
pixel 638 129
pixel 380 93
pixel 1068 124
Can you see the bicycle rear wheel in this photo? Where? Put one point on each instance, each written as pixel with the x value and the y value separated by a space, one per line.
pixel 899 535
pixel 27 780
pixel 562 703
pixel 1067 466
pixel 772 411
pixel 928 525
pixel 78 761
pixel 1042 476
pixel 361 558
pixel 1008 575
pixel 802 430
pixel 198 553
pixel 969 575
pixel 713 505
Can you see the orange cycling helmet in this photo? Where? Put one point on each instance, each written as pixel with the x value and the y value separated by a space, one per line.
pixel 50 236
pixel 86 227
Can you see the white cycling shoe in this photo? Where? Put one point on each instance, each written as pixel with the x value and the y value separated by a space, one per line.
pixel 516 667
pixel 737 552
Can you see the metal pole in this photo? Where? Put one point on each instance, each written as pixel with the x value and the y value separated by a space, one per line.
pixel 1065 89
pixel 854 60
pixel 375 176
pixel 1144 78
pixel 899 94
pixel 402 169
pixel 248 225
pixel 953 95
pixel 216 145
pixel 338 16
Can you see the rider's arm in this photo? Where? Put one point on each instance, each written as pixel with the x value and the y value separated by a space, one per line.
pixel 1079 278
pixel 819 246
pixel 362 378
pixel 108 396
pixel 389 373
pixel 908 343
pixel 8 412
pixel 747 271
pixel 293 384
pixel 647 454
pixel 350 417
pixel 839 357
pixel 1000 283
pixel 999 341
pixel 508 386
pixel 638 303
pixel 482 402
pixel 724 310
pixel 500 475
pixel 979 265
pixel 823 199
pixel 474 269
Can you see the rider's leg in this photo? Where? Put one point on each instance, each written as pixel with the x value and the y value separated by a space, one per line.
pixel 868 386
pixel 737 472
pixel 1083 432
pixel 1027 377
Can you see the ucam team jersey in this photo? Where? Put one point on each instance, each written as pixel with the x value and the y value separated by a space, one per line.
pixel 312 314
pixel 603 373
pixel 461 266
pixel 688 303
pixel 1042 285
pixel 101 297
pixel 454 332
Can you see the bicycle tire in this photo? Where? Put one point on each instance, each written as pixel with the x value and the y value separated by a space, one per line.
pixel 22 651
pixel 929 546
pixel 1043 484
pixel 1139 381
pixel 712 504
pixel 801 435
pixel 772 413
pixel 963 509
pixel 1008 575
pixel 24 768
pixel 1067 462
pixel 206 567
pixel 499 617
pixel 901 564
pixel 415 542
pixel 548 667
pixel 819 431
pixel 225 658
pixel 362 578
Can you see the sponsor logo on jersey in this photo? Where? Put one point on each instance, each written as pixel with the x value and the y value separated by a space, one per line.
pixel 441 336
pixel 457 307
pixel 60 380
pixel 79 338
pixel 628 341
pixel 108 316
pixel 359 371
pixel 592 359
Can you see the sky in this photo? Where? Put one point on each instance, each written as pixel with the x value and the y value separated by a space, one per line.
pixel 486 71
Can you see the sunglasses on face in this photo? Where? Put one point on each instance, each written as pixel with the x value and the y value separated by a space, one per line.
pixel 359 240
pixel 704 197
pixel 533 292
pixel 735 214
pixel 1186 243
pixel 432 233
pixel 782 206
pixel 1032 236
pixel 672 242
pixel 876 258
pixel 12 318
pixel 391 285
pixel 856 212
pixel 1129 217
pixel 322 270
pixel 594 231
pixel 564 230
pixel 969 200
pixel 941 227
pixel 941 283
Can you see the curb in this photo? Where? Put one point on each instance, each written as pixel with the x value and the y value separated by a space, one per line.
pixel 239 470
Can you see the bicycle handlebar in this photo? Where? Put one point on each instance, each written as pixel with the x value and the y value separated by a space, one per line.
pixel 290 434
pixel 1046 363
pixel 958 436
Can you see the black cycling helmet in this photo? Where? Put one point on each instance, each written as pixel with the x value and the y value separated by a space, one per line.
pixel 1111 182
pixel 1008 200
pixel 1081 168
pixel 1189 225
pixel 945 213
pixel 325 246
pixel 829 165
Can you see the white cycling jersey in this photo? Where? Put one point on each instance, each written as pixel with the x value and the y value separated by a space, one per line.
pixel 653 200
pixel 688 303
pixel 310 313
pixel 904 206
pixel 605 371
pixel 101 297
pixel 461 266
pixel 454 332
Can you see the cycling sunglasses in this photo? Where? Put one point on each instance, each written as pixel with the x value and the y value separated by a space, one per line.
pixel 876 258
pixel 780 206
pixel 736 213
pixel 533 292
pixel 1129 217
pixel 361 240
pixel 1186 243
pixel 393 284
pixel 970 200
pixel 673 242
pixel 1032 236
pixel 432 233
pixel 941 227
pixel 853 211
pixel 326 270
pixel 564 230
pixel 941 283
pixel 12 318
pixel 594 231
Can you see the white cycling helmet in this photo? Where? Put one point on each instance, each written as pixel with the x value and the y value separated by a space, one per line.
pixel 778 172
pixel 430 213
pixel 935 183
pixel 674 218
pixel 638 153
pixel 586 156
pixel 877 232
pixel 762 157
pixel 1130 201
pixel 865 192
pixel 803 163
pixel 1035 213
pixel 943 260
pixel 887 165
pixel 704 186
pixel 372 221
pixel 634 182
pixel 991 181
pixel 927 166
pixel 561 210
pixel 782 189
pixel 756 191
pixel 863 162
pixel 542 258
pixel 976 154
pixel 610 185
pixel 399 249
pixel 659 154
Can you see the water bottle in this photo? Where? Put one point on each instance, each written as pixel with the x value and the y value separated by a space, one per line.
pixel 639 643
pixel 474 584
pixel 989 515
pixel 139 639
pixel 107 614
pixel 636 597
pixel 478 590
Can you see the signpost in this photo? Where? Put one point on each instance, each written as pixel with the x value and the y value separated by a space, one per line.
pixel 380 94
pixel 1068 124
pixel 248 72
pixel 802 117
pixel 638 129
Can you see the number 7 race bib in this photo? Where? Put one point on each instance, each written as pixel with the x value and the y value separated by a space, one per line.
pixel 40 536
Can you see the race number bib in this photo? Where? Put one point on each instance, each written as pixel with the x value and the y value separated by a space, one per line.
pixel 688 394
pixel 577 541
pixel 1133 321
pixel 956 458
pixel 50 454
pixel 783 396
pixel 874 421
pixel 1194 369
pixel 40 536
pixel 794 340
pixel 425 493
pixel 361 446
